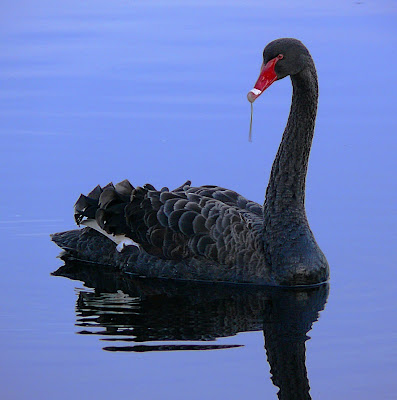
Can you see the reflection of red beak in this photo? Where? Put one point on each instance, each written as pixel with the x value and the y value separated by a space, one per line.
pixel 266 77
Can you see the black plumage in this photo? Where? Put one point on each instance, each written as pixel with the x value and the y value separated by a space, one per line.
pixel 210 232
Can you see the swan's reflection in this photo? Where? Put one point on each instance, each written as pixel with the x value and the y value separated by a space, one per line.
pixel 129 311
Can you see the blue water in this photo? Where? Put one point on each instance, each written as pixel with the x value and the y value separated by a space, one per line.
pixel 99 91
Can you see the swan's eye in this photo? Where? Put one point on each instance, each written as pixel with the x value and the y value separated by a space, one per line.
pixel 280 56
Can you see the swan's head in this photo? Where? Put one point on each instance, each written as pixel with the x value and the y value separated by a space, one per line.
pixel 281 58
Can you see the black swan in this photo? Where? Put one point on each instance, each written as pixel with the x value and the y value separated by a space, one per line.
pixel 210 233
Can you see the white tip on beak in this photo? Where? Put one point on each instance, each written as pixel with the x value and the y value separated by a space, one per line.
pixel 256 92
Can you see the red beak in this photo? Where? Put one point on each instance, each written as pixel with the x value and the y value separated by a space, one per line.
pixel 266 77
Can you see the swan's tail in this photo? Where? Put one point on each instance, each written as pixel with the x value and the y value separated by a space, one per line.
pixel 85 245
pixel 89 246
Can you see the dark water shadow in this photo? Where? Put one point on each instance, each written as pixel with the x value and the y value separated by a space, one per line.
pixel 124 310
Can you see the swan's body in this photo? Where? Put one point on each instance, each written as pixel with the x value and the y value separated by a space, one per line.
pixel 212 233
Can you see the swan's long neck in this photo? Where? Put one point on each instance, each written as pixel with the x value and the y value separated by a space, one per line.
pixel 290 248
pixel 286 189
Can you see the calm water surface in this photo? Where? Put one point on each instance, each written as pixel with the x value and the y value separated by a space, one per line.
pixel 97 91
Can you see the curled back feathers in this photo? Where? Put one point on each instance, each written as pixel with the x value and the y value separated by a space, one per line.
pixel 209 221
pixel 105 205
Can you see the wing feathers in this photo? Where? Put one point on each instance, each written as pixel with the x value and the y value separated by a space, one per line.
pixel 207 221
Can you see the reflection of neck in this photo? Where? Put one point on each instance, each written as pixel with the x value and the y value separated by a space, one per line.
pixel 286 354
pixel 288 317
